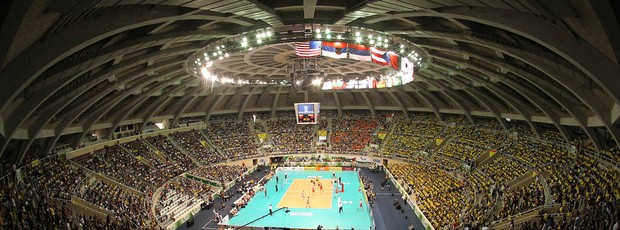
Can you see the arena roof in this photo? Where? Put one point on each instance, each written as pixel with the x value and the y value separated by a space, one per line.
pixel 69 67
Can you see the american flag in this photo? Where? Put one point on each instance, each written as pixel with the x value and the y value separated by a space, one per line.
pixel 308 49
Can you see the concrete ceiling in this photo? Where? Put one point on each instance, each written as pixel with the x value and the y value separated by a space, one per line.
pixel 69 67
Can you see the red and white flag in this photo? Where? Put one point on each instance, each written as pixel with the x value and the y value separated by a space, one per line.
pixel 308 49
pixel 377 56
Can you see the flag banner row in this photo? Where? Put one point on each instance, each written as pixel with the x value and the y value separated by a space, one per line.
pixel 403 67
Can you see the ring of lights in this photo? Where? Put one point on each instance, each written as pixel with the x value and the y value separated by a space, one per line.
pixel 200 63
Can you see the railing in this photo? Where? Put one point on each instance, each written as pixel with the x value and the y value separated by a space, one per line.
pixel 498 223
pixel 425 222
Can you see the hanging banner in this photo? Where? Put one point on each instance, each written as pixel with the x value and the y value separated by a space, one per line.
pixel 438 141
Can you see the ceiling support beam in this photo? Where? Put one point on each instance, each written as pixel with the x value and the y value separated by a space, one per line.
pixel 425 95
pixel 586 95
pixel 163 99
pixel 274 105
pixel 40 122
pixel 76 112
pixel 188 99
pixel 245 102
pixel 42 56
pixel 486 101
pixel 26 108
pixel 309 8
pixel 17 12
pixel 338 105
pixel 572 109
pixel 400 104
pixel 544 106
pixel 217 101
pixel 516 105
pixel 370 107
pixel 130 108
pixel 455 98
pixel 263 96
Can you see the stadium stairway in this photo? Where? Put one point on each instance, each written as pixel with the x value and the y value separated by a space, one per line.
pixel 329 131
pixel 438 147
pixel 543 180
pixel 522 181
pixel 141 159
pixel 84 207
pixel 158 153
pixel 182 150
pixel 253 132
pixel 106 178
pixel 210 143
pixel 389 134
pixel 486 157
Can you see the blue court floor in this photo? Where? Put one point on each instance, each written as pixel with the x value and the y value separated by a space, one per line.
pixel 307 218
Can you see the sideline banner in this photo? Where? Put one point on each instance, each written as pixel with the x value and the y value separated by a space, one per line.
pixel 348 168
pixel 322 168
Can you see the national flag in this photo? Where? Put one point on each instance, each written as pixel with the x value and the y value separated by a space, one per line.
pixel 334 49
pixel 359 52
pixel 308 49
pixel 406 70
pixel 381 84
pixel 377 56
pixel 392 59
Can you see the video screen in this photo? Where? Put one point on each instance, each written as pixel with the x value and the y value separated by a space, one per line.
pixel 305 109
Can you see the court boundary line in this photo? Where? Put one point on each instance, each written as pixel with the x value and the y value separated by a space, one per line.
pixel 331 202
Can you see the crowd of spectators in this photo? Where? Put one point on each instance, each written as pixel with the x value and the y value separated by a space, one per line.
pixel 145 153
pixel 220 173
pixel 170 152
pixel 441 197
pixel 449 192
pixel 486 193
pixel 287 136
pixel 453 118
pixel 461 151
pixel 519 127
pixel 352 133
pixel 123 204
pixel 40 199
pixel 235 139
pixel 503 169
pixel 552 134
pixel 522 199
pixel 483 138
pixel 487 123
pixel 126 168
pixel 426 117
pixel 33 154
pixel 62 177
pixel 180 191
pixel 196 145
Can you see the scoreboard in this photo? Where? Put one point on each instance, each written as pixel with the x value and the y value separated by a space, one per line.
pixel 307 113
